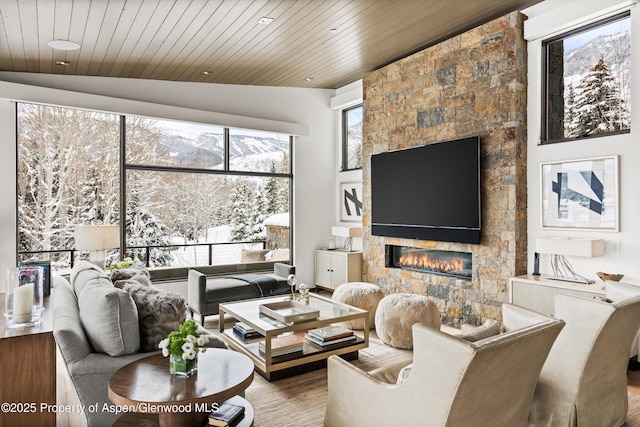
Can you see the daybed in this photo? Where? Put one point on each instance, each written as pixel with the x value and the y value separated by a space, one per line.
pixel 204 295
pixel 97 329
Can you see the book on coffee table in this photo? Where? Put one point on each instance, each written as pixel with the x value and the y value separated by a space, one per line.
pixel 227 415
pixel 245 331
pixel 284 344
pixel 324 343
pixel 330 332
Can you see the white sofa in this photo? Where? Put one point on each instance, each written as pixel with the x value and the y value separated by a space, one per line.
pixel 90 368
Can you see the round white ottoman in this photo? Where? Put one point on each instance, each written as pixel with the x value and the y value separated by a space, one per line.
pixel 398 312
pixel 365 296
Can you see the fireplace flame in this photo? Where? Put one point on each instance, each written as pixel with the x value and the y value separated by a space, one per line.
pixel 422 261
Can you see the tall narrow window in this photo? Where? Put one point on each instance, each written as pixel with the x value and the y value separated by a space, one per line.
pixel 352 138
pixel 587 81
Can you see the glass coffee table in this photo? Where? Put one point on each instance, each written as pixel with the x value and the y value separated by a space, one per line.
pixel 312 356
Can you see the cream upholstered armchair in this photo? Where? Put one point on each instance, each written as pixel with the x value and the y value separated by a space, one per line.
pixel 453 382
pixel 584 380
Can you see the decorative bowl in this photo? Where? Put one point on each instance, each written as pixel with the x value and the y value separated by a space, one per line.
pixel 606 276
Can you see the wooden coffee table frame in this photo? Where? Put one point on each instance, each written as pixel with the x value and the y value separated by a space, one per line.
pixel 146 386
pixel 312 356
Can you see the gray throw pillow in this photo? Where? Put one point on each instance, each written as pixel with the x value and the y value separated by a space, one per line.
pixel 159 312
pixel 84 273
pixel 109 318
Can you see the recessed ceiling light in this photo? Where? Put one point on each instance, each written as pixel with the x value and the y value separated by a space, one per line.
pixel 265 20
pixel 206 73
pixel 63 45
pixel 308 79
pixel 333 30
pixel 65 63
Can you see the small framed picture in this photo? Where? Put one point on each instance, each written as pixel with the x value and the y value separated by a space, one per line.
pixel 351 201
pixel 46 283
pixel 580 194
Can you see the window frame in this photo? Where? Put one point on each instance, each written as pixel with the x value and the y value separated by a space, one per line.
pixel 545 100
pixel 124 167
pixel 344 167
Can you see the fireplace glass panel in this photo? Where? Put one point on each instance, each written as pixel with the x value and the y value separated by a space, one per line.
pixel 434 261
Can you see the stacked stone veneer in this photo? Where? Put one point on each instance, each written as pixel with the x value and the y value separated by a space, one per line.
pixel 472 84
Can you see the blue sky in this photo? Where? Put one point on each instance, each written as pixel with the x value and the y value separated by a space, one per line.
pixel 574 42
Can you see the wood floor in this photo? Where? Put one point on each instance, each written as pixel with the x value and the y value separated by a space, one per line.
pixel 633 382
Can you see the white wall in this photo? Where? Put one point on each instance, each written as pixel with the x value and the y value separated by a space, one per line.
pixel 303 112
pixel 346 96
pixel 554 17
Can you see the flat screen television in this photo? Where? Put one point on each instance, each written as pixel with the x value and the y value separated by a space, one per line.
pixel 428 193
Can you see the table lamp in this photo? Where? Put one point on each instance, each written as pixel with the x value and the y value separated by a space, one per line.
pixel 560 247
pixel 348 232
pixel 96 239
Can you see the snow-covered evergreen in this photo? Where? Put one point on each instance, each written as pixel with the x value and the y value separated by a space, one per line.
pixel 597 106
pixel 597 84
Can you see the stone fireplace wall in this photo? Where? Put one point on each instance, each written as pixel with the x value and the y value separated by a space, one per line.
pixel 471 84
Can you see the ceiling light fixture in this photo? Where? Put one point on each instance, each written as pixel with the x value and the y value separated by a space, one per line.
pixel 333 30
pixel 65 63
pixel 63 45
pixel 265 20
pixel 206 73
pixel 308 79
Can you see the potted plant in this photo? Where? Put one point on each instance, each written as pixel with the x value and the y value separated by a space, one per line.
pixel 183 346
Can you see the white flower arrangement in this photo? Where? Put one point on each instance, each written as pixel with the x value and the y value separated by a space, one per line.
pixel 185 342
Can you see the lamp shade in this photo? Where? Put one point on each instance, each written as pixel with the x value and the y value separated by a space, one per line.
pixel 568 246
pixel 96 237
pixel 344 231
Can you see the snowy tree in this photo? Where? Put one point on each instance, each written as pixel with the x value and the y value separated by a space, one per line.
pixel 276 194
pixel 598 106
pixel 242 211
pixel 57 149
pixel 144 229
pixel 570 113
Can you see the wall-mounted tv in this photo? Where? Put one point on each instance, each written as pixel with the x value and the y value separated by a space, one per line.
pixel 428 193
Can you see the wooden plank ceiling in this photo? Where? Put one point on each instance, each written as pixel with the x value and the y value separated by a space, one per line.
pixel 309 43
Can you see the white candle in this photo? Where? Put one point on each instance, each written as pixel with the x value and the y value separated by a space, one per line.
pixel 23 303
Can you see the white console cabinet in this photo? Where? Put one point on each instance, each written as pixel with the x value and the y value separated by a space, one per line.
pixel 334 267
pixel 538 292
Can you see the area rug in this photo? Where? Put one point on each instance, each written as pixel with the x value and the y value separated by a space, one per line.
pixel 300 401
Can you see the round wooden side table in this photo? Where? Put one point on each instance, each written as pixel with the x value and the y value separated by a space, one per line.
pixel 152 396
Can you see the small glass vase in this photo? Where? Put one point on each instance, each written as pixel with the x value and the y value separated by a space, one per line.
pixel 182 367
pixel 24 296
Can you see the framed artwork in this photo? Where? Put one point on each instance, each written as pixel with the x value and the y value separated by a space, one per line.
pixel 46 283
pixel 580 194
pixel 351 201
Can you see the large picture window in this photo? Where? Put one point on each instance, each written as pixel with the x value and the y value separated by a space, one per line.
pixel 587 81
pixel 186 194
pixel 352 138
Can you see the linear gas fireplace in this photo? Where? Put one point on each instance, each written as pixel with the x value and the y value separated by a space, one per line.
pixel 434 261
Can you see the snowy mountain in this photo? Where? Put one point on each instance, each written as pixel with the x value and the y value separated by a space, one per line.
pixel 209 147
pixel 613 49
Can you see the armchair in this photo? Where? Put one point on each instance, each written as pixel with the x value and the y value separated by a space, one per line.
pixel 584 380
pixel 453 382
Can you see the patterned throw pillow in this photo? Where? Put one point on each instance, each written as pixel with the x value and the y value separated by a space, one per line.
pixel 159 312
